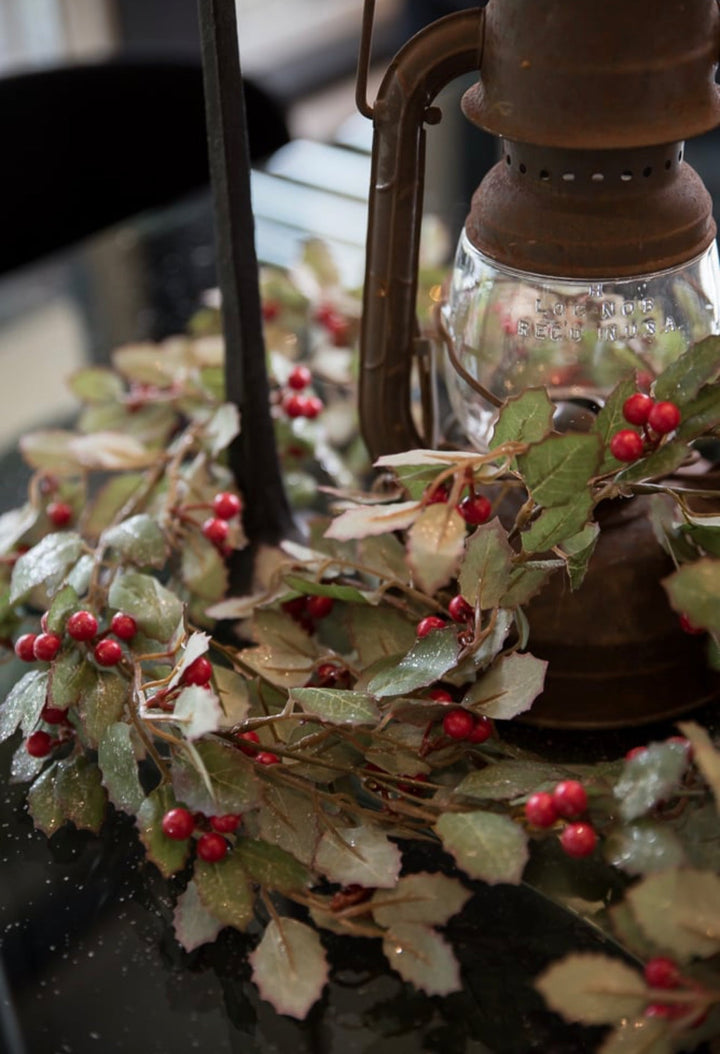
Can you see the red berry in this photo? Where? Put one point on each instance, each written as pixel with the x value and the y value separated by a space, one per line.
pixel 215 530
pixel 123 626
pixel 59 513
pixel 637 407
pixel 247 737
pixel 458 724
pixel 662 973
pixel 540 810
pixel 635 752
pixel 438 496
pixel 82 625
pixel 107 652
pixel 626 445
pixel 52 715
pixel 39 744
pixel 570 799
pixel 270 310
pixel 296 607
pixel 226 505
pixel 578 839
pixel 178 824
pixel 46 646
pixel 664 418
pixel 198 672
pixel 312 406
pixel 266 758
pixel 24 647
pixel 439 695
pixel 225 824
pixel 339 328
pixel 481 730
pixel 427 625
pixel 294 405
pixel 460 610
pixel 319 606
pixel 475 509
pixel 688 627
pixel 300 377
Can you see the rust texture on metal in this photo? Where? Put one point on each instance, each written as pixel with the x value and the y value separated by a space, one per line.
pixel 446 50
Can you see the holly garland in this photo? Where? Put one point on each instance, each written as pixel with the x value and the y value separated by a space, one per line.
pixel 281 748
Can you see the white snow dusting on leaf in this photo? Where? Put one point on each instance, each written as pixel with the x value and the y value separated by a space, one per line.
pixel 194 924
pixel 289 967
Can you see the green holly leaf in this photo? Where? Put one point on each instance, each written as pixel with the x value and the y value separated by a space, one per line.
pixel 194 925
pixel 225 891
pixel 425 898
pixel 230 774
pixel 138 540
pixel 286 654
pixel 149 428
pixel 650 778
pixel 524 418
pixel 425 663
pixel 485 845
pixel 384 557
pixel 337 707
pixel 157 611
pixel 234 696
pixel 485 572
pixel 643 848
pixel 644 1035
pixel 286 819
pixel 555 469
pixel 435 545
pixel 119 768
pixel 509 688
pixel 71 675
pixel 50 450
pixel 22 706
pixel 679 911
pixel 45 564
pixel 662 462
pixel 507 780
pixel 272 867
pixel 422 957
pixel 14 525
pixel 65 602
pixel 110 500
pixel 681 381
pixel 578 553
pixel 102 703
pixel 289 967
pixel 24 768
pixel 203 569
pixel 168 854
pixel 222 428
pixel 378 633
pixel 96 384
pixel 694 590
pixel 301 585
pixel 527 580
pixel 701 415
pixel 68 790
pixel 593 989
pixel 611 419
pixel 554 526
pixel 362 856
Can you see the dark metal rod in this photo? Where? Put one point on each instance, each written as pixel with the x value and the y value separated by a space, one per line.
pixel 253 455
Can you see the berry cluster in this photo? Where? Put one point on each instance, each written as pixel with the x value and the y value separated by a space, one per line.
pixel 568 801
pixel 335 324
pixel 474 508
pixel 249 743
pixel 225 506
pixel 82 627
pixel 655 419
pixel 664 973
pixel 179 824
pixel 467 727
pixel 296 402
pixel 307 610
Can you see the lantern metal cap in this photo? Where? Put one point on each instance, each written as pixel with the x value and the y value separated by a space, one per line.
pixel 598 74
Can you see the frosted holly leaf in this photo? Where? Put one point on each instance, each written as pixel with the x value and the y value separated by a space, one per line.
pixel 225 890
pixel 110 451
pixel 425 898
pixel 168 854
pixel 680 911
pixel 119 768
pixel 650 777
pixel 364 521
pixel 233 785
pixel 285 820
pixel 362 856
pixel 271 867
pixel 485 572
pixel 425 663
pixel 50 451
pixel 435 545
pixel 222 428
pixel 156 610
pixel 194 925
pixel 24 766
pixel 593 989
pixel 234 696
pixel 485 845
pixel 204 571
pixel 96 384
pixel 197 711
pixel 644 847
pixel 507 780
pixel 289 967
pixel 438 459
pixel 69 790
pixel 644 1035
pixel 378 633
pixel 22 706
pixel 509 688
pixel 422 957
pixel 336 706
pixel 45 564
pixel 197 644
pixel 14 525
pixel 102 703
pixel 707 758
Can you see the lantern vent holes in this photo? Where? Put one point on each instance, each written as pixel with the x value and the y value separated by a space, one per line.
pixel 568 176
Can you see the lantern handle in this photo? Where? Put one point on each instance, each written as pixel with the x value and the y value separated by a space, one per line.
pixel 448 48
pixel 364 57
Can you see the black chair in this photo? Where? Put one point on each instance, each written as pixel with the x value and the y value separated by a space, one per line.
pixel 86 146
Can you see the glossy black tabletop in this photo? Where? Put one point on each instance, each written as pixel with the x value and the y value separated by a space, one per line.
pixel 89 959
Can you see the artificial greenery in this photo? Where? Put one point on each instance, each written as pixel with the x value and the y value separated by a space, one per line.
pixel 324 732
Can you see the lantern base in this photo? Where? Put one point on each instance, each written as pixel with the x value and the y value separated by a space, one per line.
pixel 617 655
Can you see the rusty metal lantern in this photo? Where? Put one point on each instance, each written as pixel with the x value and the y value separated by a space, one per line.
pixel 591 199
